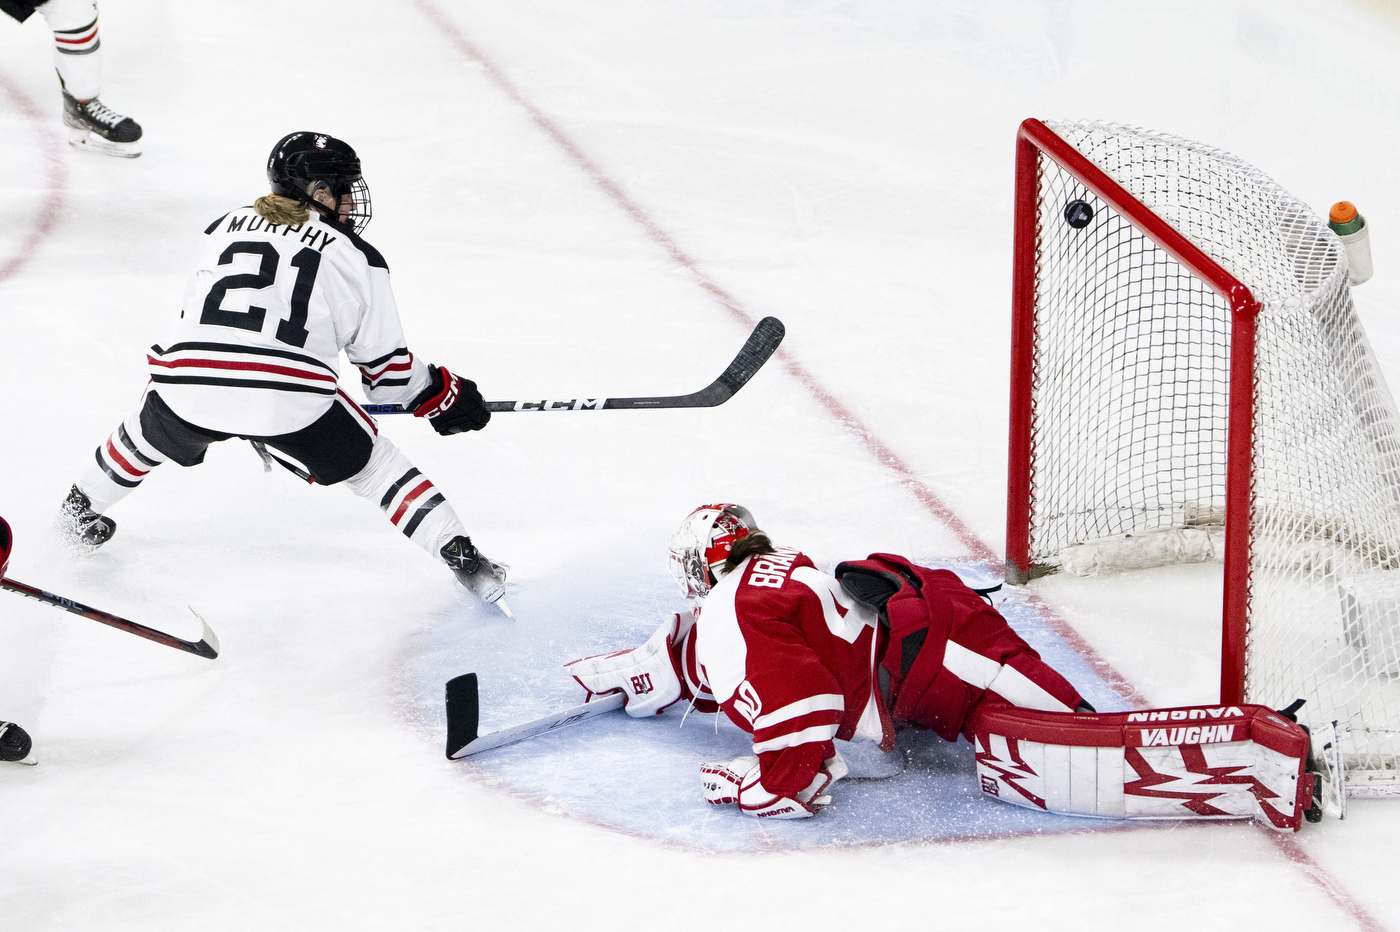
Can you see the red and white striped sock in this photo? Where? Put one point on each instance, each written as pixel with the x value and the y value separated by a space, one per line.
pixel 121 463
pixel 76 45
pixel 409 499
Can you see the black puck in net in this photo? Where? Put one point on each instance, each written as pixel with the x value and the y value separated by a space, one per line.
pixel 1078 214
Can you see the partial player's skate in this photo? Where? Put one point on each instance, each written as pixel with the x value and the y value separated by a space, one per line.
pixel 482 576
pixel 15 745
pixel 81 527
pixel 93 125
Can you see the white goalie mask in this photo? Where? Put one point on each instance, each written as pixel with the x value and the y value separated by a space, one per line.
pixel 702 543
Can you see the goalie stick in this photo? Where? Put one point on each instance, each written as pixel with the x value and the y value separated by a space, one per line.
pixel 206 646
pixel 761 344
pixel 463 717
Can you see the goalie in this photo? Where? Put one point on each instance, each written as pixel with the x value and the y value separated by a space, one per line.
pixel 797 658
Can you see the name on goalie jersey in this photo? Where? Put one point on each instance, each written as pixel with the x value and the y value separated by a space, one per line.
pixel 770 570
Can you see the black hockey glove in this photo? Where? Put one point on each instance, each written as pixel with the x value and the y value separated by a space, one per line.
pixel 451 405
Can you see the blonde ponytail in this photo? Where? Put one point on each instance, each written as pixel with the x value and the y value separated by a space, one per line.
pixel 285 211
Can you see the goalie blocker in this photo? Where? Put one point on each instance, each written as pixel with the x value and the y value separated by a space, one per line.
pixel 1192 762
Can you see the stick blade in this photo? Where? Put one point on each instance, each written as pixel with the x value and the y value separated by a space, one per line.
pixel 208 645
pixel 761 344
pixel 463 712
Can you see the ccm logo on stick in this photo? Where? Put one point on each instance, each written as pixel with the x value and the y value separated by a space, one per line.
pixel 573 404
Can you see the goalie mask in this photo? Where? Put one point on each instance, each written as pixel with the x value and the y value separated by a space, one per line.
pixel 303 163
pixel 702 543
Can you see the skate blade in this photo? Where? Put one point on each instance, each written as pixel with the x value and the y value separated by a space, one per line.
pixel 86 139
pixel 505 609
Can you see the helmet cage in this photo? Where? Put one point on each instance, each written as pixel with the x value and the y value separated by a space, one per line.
pixel 702 543
pixel 303 163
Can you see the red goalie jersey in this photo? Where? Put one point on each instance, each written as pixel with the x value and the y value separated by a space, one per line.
pixel 793 659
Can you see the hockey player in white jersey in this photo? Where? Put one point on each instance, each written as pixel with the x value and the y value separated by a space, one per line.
pixel 281 288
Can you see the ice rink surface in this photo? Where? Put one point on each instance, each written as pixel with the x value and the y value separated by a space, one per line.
pixel 599 199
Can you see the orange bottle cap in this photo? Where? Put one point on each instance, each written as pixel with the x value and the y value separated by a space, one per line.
pixel 1343 212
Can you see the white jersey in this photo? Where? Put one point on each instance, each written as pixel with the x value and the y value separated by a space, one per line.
pixel 256 351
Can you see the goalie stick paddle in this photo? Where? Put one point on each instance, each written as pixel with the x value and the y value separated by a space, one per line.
pixel 463 717
pixel 206 646
pixel 761 344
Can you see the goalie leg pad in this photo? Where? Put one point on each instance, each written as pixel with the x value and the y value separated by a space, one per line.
pixel 1204 762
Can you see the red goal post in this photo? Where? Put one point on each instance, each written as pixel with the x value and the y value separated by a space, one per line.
pixel 1034 142
pixel 1188 375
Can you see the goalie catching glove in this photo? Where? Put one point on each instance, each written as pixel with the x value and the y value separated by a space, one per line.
pixel 452 405
pixel 649 676
pixel 738 781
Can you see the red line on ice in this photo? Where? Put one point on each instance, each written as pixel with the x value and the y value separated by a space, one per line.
pixel 833 405
pixel 848 419
pixel 843 415
pixel 56 177
pixel 1287 844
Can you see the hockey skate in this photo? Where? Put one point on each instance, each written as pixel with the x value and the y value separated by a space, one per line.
pixel 482 576
pixel 15 745
pixel 80 526
pixel 93 125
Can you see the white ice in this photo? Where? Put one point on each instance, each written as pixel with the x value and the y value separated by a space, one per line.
pixel 846 167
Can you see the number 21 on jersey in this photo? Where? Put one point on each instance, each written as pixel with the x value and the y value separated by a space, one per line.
pixel 292 330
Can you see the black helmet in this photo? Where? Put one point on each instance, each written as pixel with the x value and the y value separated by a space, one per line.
pixel 301 163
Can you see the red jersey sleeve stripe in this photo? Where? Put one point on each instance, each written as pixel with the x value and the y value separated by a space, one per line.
pixel 792 710
pixel 796 725
pixel 814 735
pixel 395 367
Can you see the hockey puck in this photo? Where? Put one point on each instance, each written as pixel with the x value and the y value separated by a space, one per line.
pixel 1078 214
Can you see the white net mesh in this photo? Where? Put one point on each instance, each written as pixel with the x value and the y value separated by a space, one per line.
pixel 1130 391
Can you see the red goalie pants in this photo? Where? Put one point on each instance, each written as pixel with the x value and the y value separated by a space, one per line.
pixel 949 651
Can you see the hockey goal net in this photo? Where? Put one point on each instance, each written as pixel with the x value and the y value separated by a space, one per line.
pixel 1190 381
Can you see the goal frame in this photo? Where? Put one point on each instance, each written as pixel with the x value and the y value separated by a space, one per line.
pixel 1036 141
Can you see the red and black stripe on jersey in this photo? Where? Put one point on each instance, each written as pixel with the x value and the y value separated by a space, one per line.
pixel 392 368
pixel 409 500
pixel 233 366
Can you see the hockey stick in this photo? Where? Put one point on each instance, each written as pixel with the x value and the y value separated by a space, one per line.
pixel 761 344
pixel 463 717
pixel 207 646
